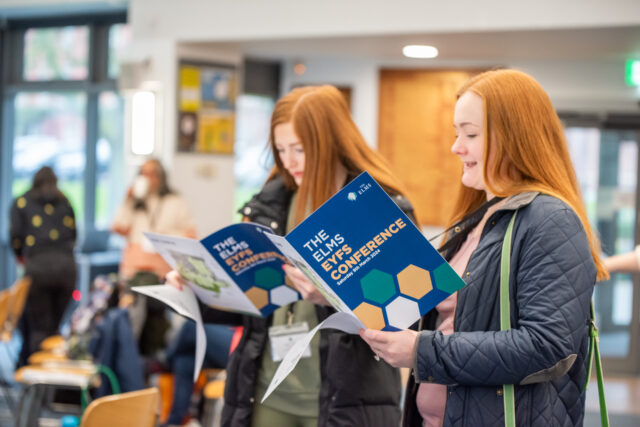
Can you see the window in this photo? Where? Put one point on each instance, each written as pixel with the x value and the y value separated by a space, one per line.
pixel 61 109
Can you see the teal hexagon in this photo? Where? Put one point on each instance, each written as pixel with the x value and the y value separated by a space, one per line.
pixel 445 279
pixel 268 278
pixel 378 286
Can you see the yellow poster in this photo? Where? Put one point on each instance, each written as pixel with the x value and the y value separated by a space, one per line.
pixel 189 88
pixel 215 133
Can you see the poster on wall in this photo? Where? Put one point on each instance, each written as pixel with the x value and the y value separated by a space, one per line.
pixel 206 107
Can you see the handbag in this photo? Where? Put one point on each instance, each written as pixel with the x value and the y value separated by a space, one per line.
pixel 505 324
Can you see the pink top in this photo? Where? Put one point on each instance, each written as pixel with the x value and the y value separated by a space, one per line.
pixel 432 398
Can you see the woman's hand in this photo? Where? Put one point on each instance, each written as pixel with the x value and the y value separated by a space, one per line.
pixel 175 279
pixel 304 286
pixel 396 348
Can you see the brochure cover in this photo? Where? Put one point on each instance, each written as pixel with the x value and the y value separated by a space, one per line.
pixel 236 268
pixel 365 255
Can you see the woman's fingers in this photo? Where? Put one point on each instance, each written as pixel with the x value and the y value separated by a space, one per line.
pixel 175 279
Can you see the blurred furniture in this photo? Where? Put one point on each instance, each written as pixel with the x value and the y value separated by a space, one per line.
pixel 17 298
pixel 12 301
pixel 132 409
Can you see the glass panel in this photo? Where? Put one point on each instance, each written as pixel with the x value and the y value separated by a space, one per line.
pixel 50 131
pixel 606 166
pixel 119 39
pixel 110 172
pixel 56 53
pixel 253 159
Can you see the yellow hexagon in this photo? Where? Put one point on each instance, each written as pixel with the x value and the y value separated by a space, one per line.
pixel 370 315
pixel 415 281
pixel 259 297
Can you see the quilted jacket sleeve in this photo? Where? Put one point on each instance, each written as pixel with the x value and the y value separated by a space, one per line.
pixel 554 276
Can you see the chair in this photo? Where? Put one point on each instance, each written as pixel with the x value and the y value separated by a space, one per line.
pixel 132 409
pixel 19 292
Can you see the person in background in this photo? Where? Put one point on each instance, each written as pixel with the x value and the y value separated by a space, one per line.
pixel 317 150
pixel 515 159
pixel 43 235
pixel 150 206
pixel 181 356
pixel 624 263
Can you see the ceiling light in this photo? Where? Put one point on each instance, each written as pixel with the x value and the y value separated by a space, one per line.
pixel 419 51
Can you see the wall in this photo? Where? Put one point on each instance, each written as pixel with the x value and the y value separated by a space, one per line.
pixel 360 75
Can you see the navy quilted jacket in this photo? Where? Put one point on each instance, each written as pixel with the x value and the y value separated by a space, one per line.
pixel 544 354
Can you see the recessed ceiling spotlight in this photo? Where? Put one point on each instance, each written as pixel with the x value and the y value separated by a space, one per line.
pixel 419 51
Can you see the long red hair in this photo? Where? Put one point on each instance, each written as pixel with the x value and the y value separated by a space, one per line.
pixel 323 123
pixel 525 148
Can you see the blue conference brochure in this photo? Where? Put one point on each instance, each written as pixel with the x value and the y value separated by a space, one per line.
pixel 367 257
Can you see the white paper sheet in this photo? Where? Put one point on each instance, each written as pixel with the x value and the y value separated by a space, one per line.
pixel 184 302
pixel 345 322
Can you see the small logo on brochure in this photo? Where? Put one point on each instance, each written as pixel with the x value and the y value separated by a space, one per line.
pixel 351 196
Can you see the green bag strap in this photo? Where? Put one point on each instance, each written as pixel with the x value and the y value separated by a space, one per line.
pixel 85 398
pixel 594 350
pixel 505 319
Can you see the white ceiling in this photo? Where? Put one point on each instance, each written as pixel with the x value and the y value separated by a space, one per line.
pixel 602 44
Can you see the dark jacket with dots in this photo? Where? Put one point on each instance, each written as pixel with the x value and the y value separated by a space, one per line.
pixel 41 224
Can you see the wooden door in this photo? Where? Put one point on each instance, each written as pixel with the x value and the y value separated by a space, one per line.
pixel 415 134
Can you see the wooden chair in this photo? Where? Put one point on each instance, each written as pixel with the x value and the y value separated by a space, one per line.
pixel 133 409
pixel 19 292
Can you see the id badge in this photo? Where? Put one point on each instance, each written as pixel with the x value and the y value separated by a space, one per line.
pixel 282 337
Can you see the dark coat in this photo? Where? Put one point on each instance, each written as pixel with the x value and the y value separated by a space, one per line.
pixel 544 354
pixel 43 233
pixel 356 389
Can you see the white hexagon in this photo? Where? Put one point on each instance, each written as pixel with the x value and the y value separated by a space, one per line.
pixel 283 295
pixel 402 312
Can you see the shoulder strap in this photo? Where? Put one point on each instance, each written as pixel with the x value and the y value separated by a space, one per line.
pixel 594 351
pixel 505 318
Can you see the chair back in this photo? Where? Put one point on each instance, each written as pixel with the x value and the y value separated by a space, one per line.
pixel 19 292
pixel 132 409
pixel 5 297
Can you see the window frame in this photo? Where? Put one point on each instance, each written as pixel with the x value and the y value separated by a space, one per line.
pixel 12 82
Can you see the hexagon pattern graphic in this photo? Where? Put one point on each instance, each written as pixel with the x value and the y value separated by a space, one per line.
pixel 370 315
pixel 414 281
pixel 377 286
pixel 268 278
pixel 283 295
pixel 402 312
pixel 446 279
pixel 259 297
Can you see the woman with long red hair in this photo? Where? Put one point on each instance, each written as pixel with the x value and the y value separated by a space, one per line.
pixel 515 159
pixel 317 149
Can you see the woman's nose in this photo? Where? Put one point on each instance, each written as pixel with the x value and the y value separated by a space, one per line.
pixel 457 147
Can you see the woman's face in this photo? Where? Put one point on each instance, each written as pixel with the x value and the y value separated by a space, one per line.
pixel 290 151
pixel 469 145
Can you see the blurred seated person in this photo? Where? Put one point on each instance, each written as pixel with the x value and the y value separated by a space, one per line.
pixel 181 357
pixel 150 206
pixel 624 263
pixel 43 234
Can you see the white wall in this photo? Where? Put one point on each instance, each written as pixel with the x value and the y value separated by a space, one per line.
pixel 360 75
